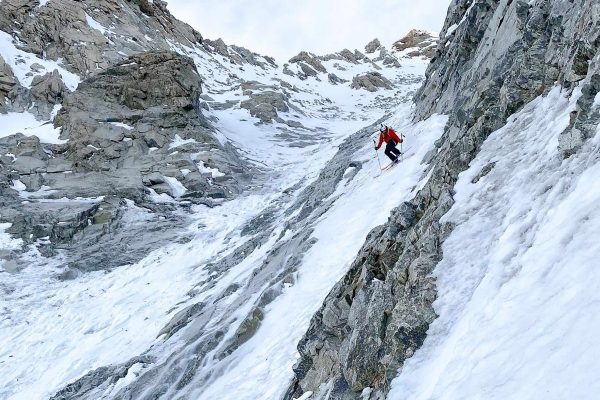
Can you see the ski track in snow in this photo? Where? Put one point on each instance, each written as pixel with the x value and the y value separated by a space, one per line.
pixel 518 287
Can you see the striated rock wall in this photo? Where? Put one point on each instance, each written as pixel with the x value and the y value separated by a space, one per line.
pixel 493 58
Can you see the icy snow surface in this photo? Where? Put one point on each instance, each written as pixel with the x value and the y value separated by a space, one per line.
pixel 518 286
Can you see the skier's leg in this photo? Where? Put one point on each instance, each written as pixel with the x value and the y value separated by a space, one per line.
pixel 395 149
pixel 389 151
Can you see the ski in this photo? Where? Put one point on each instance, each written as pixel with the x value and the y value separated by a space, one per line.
pixel 391 165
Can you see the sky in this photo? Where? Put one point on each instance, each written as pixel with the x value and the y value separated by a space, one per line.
pixel 282 29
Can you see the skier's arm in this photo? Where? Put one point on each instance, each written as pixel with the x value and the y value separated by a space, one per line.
pixel 380 142
pixel 395 136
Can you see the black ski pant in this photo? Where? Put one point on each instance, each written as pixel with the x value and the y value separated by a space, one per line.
pixel 391 151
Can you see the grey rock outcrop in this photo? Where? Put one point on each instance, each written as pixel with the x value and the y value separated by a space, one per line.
pixel 133 129
pixel 309 59
pixel 349 56
pixel 371 81
pixel 236 54
pixel 139 110
pixel 87 36
pixel 372 46
pixel 14 13
pixel 307 71
pixel 421 44
pixel 265 105
pixel 501 56
pixel 7 81
pixel 334 79
pixel 48 88
pixel 47 91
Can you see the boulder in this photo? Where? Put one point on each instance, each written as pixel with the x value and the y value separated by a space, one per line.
pixel 265 105
pixel 310 59
pixel 372 46
pixel 371 81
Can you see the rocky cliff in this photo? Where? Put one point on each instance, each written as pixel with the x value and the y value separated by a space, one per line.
pixel 493 58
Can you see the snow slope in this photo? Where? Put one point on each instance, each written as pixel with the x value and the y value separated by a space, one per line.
pixel 518 285
pixel 264 363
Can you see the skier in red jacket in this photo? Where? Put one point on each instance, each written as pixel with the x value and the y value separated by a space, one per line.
pixel 388 135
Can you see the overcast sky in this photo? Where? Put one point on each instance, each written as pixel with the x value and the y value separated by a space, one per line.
pixel 282 28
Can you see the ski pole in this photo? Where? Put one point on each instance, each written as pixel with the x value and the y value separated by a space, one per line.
pixel 377 154
pixel 401 142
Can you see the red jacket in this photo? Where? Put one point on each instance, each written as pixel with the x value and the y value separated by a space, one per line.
pixel 388 135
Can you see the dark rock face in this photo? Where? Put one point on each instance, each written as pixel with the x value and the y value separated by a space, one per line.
pixel 7 80
pixel 500 57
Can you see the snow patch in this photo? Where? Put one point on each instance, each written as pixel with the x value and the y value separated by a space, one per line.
pixel 95 24
pixel 8 243
pixel 25 123
pixel 122 125
pixel 177 187
pixel 42 192
pixel 178 141
pixel 596 100
pixel 21 62
pixel 214 172
pixel 160 198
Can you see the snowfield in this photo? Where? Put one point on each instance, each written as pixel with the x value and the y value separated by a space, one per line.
pixel 518 287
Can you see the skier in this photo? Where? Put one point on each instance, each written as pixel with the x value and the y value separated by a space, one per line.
pixel 388 135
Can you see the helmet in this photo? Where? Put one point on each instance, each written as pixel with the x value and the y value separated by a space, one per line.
pixel 382 128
